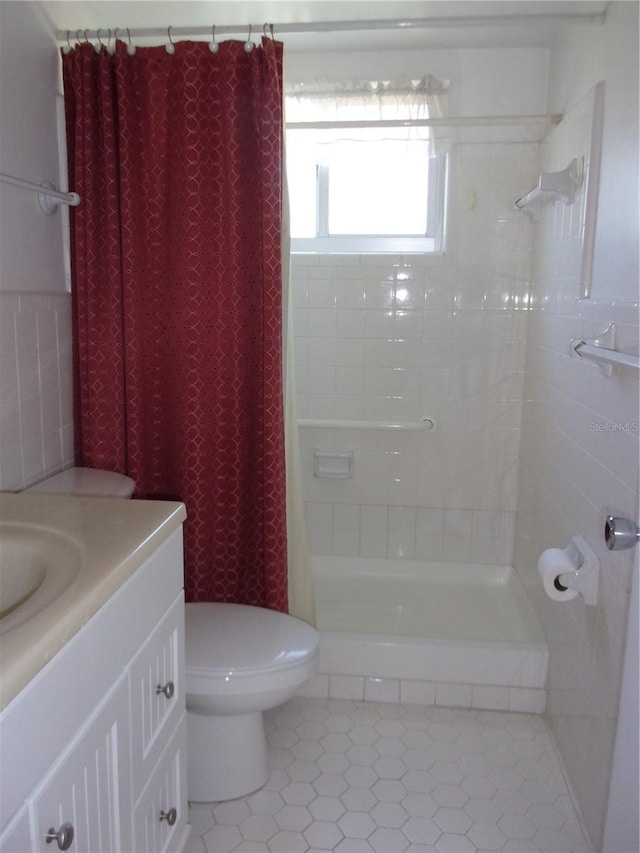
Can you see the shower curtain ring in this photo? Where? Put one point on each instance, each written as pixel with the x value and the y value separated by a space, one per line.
pixel 248 45
pixel 213 44
pixel 86 37
pixel 170 48
pixel 131 48
pixel 110 48
pixel 97 47
pixel 270 33
pixel 67 48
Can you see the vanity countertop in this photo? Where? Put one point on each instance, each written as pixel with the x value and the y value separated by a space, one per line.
pixel 112 538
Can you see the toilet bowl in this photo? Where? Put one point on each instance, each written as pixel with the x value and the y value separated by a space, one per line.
pixel 241 661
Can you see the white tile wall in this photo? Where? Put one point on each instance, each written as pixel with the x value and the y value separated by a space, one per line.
pixel 399 337
pixel 36 428
pixel 579 462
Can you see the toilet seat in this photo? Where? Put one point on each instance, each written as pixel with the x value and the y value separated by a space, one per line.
pixel 235 648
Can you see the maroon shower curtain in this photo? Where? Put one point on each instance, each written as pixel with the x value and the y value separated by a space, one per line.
pixel 177 295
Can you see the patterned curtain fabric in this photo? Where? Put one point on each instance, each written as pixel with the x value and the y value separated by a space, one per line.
pixel 177 293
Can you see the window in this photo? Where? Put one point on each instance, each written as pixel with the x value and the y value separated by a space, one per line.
pixel 360 183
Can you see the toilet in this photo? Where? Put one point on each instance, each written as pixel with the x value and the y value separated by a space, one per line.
pixel 240 661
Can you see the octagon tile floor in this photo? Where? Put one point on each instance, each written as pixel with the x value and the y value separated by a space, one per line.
pixel 369 777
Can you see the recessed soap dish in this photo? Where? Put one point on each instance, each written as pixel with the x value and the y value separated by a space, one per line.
pixel 333 463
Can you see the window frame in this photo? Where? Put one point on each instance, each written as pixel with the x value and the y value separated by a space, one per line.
pixel 431 243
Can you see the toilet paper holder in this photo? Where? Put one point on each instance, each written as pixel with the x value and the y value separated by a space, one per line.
pixel 587 569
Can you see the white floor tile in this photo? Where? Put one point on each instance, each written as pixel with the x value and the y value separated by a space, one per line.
pixel 354 777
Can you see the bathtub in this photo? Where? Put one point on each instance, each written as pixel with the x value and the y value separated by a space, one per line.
pixel 427 633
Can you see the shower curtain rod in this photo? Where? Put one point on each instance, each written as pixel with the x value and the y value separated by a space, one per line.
pixel 330 26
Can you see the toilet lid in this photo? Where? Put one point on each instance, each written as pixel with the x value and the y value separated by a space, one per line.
pixel 238 638
pixel 89 482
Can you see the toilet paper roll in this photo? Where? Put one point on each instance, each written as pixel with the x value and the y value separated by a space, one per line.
pixel 551 564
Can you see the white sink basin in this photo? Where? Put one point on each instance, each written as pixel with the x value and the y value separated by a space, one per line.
pixel 36 565
pixel 86 548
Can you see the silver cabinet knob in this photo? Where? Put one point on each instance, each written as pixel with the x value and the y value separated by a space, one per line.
pixel 620 533
pixel 171 816
pixel 168 689
pixel 64 836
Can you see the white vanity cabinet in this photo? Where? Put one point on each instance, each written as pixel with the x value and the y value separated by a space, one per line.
pixel 97 740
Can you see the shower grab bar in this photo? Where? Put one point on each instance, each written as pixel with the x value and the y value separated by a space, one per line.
pixel 49 198
pixel 423 425
pixel 602 351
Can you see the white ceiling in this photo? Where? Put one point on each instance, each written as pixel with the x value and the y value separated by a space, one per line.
pixel 453 23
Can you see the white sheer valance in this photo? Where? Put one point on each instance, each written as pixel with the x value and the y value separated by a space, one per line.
pixel 368 100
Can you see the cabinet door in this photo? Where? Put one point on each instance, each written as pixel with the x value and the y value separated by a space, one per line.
pixel 160 816
pixel 16 838
pixel 157 684
pixel 88 785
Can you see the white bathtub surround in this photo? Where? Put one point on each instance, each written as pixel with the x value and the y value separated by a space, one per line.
pixel 447 634
pixel 394 338
pixel 369 530
pixel 379 777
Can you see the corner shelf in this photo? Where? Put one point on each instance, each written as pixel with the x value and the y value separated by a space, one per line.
pixel 563 184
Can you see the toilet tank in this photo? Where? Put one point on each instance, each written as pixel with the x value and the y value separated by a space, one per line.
pixel 86 481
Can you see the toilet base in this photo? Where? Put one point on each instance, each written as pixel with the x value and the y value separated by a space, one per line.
pixel 227 756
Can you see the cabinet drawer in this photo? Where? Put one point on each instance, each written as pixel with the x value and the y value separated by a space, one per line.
pixel 160 816
pixel 87 786
pixel 157 685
